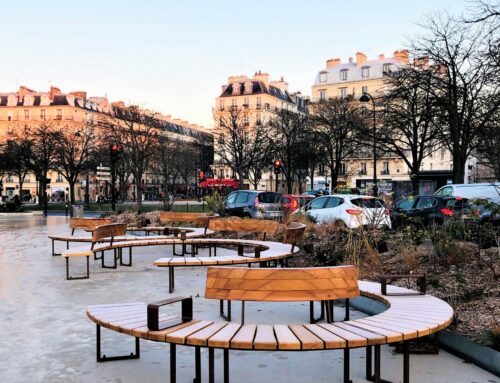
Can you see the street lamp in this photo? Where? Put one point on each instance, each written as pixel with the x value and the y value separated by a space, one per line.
pixel 366 97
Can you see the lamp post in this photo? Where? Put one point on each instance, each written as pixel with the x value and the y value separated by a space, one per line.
pixel 366 97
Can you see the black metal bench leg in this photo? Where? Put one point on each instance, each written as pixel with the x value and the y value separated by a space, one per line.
pixel 171 280
pixel 406 362
pixel 173 364
pixel 228 316
pixel 115 265
pixel 54 250
pixel 69 277
pixel 129 263
pixel 368 362
pixel 347 361
pixel 346 317
pixel 105 358
pixel 376 377
pixel 312 319
pixel 226 365
pixel 211 367
pixel 197 365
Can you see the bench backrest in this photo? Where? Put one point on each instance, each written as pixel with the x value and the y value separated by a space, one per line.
pixel 108 231
pixel 258 226
pixel 294 233
pixel 174 216
pixel 282 285
pixel 87 223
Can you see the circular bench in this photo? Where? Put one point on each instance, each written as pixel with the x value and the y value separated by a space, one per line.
pixel 408 316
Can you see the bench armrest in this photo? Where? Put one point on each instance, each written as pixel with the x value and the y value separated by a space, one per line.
pixel 154 313
pixel 421 283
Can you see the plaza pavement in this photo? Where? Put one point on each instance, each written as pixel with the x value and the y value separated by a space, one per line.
pixel 46 336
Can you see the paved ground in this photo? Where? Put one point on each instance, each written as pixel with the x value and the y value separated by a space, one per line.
pixel 46 337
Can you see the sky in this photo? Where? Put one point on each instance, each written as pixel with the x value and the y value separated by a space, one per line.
pixel 174 56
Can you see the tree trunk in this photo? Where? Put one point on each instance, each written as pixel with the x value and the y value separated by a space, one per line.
pixel 415 182
pixel 458 168
pixel 289 185
pixel 71 192
pixel 138 194
pixel 21 183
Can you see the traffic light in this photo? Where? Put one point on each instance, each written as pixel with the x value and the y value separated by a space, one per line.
pixel 115 153
pixel 277 166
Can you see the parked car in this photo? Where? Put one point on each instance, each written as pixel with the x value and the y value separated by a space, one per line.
pixel 316 193
pixel 489 191
pixel 292 202
pixel 254 204
pixel 351 210
pixel 429 210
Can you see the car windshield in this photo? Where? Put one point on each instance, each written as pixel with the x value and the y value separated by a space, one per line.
pixel 368 203
pixel 269 198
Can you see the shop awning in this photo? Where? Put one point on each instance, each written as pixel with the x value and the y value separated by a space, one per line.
pixel 220 183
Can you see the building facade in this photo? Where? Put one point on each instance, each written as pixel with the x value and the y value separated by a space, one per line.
pixel 354 78
pixel 259 99
pixel 73 111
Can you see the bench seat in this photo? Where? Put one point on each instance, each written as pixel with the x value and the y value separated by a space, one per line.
pixel 406 318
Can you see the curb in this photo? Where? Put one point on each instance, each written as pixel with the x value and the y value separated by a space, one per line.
pixel 482 356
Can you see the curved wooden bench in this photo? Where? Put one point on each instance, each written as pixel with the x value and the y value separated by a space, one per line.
pixel 406 318
pixel 87 224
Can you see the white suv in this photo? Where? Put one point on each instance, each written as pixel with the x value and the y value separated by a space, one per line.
pixel 349 209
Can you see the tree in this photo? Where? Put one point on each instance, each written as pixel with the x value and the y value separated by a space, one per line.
pixel 488 146
pixel 42 140
pixel 165 165
pixel 337 124
pixel 408 127
pixel 259 155
pixel 464 87
pixel 73 153
pixel 16 154
pixel 233 147
pixel 287 135
pixel 137 132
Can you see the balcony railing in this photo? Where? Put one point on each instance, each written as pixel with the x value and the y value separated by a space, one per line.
pixel 362 172
pixel 385 172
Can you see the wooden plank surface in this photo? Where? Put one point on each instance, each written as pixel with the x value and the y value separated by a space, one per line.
pixel 201 337
pixel 244 225
pixel 308 340
pixel 264 338
pixel 286 338
pixel 224 336
pixel 244 337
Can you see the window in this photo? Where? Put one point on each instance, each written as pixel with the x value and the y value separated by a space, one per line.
pixel 386 69
pixel 406 204
pixel 365 72
pixel 221 104
pixel 231 197
pixel 9 178
pixel 334 202
pixel 26 114
pixel 234 103
pixel 221 175
pixel 446 191
pixel 385 167
pixel 425 203
pixel 322 77
pixel 259 102
pixel 42 114
pixel 342 170
pixel 242 197
pixel 343 74
pixel 318 203
pixel 322 95
pixel 443 152
pixel 364 89
pixel 343 92
pixel 363 168
pixel 246 102
pixel 368 203
pixel 59 114
pixel 259 118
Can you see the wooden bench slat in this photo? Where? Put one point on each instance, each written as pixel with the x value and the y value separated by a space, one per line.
pixel 180 336
pixel 407 332
pixel 352 339
pixel 371 337
pixel 286 338
pixel 392 336
pixel 200 338
pixel 264 338
pixel 308 340
pixel 223 337
pixel 244 337
pixel 331 340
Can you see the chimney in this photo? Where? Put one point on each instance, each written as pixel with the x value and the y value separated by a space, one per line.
pixel 23 91
pixel 360 58
pixel 281 84
pixel 350 60
pixel 422 62
pixel 402 56
pixel 381 56
pixel 80 94
pixel 263 77
pixel 53 92
pixel 333 62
